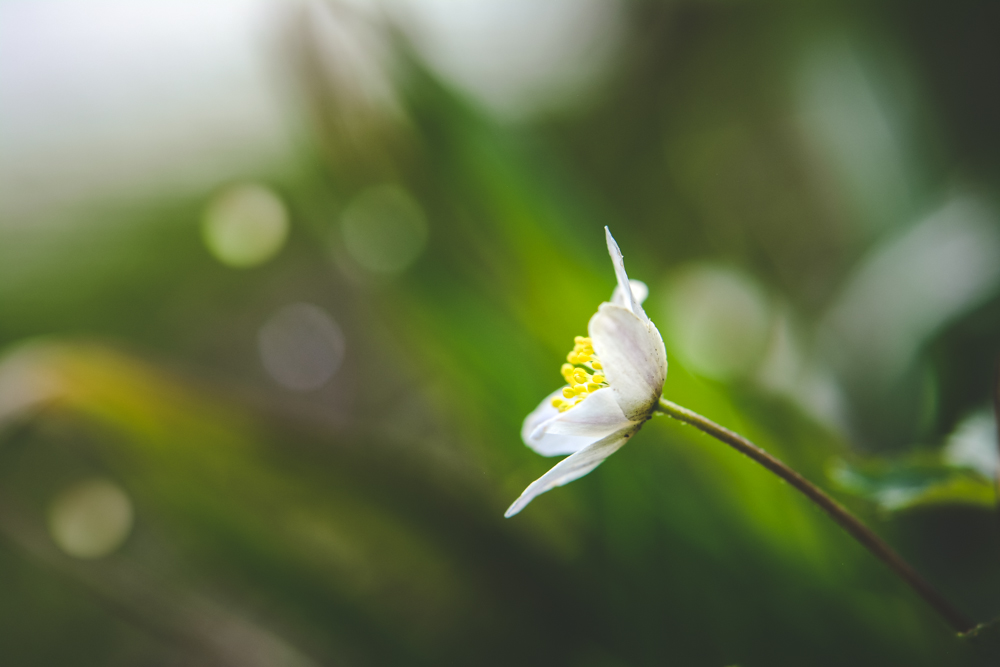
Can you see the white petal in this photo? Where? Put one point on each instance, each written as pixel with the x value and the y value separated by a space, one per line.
pixel 573 467
pixel 597 416
pixel 550 444
pixel 633 357
pixel 542 413
pixel 639 293
pixel 624 286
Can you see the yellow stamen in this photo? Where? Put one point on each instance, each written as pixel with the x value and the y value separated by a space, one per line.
pixel 581 382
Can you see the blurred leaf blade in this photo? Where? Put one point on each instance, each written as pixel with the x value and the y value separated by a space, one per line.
pixel 915 483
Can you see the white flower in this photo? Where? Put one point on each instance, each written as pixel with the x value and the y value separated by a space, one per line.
pixel 614 380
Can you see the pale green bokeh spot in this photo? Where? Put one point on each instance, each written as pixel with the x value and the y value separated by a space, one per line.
pixel 90 519
pixel 384 229
pixel 245 225
pixel 719 320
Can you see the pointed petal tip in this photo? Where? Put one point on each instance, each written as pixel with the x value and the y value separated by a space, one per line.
pixel 518 505
pixel 573 467
pixel 619 263
pixel 612 244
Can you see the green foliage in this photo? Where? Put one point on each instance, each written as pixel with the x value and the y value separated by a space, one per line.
pixel 361 523
pixel 918 481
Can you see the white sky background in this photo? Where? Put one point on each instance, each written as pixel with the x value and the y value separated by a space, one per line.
pixel 112 99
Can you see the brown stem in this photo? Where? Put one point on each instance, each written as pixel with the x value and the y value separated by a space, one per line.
pixel 859 531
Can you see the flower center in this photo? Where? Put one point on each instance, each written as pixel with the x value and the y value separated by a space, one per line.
pixel 582 374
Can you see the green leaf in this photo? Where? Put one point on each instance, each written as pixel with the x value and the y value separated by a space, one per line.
pixel 913 482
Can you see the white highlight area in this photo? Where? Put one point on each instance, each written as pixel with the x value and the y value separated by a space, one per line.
pixel 974 444
pixel 106 97
pixel 911 286
pixel 515 57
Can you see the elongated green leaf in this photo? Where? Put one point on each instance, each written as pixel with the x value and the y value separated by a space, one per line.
pixel 910 483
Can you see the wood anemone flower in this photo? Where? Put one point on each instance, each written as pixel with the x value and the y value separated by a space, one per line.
pixel 614 382
pixel 614 379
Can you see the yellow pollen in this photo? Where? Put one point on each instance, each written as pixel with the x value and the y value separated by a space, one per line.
pixel 578 375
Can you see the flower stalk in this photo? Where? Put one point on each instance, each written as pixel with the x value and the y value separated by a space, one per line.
pixel 858 530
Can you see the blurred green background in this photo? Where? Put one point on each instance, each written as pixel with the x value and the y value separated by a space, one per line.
pixel 279 282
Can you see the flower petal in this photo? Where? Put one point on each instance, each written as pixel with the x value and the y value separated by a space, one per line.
pixel 597 416
pixel 624 287
pixel 633 357
pixel 639 293
pixel 550 444
pixel 573 467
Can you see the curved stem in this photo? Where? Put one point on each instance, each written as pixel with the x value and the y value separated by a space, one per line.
pixel 859 531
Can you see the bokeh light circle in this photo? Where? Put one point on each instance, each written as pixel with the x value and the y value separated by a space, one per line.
pixel 91 518
pixel 384 229
pixel 719 320
pixel 301 347
pixel 245 225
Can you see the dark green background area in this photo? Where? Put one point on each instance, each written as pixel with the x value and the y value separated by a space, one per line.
pixel 362 524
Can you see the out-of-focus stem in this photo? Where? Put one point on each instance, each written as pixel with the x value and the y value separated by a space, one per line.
pixel 859 531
